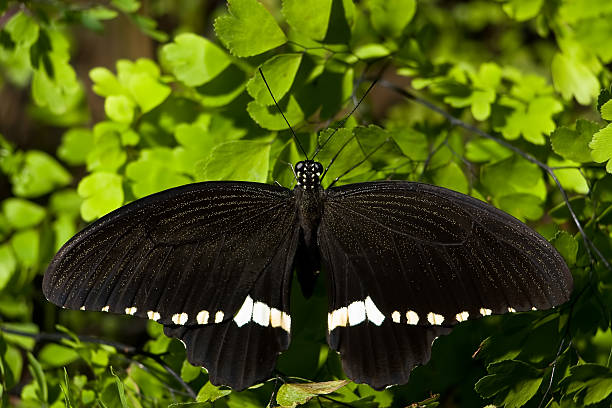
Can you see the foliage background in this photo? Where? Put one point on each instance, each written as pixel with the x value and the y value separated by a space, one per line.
pixel 105 102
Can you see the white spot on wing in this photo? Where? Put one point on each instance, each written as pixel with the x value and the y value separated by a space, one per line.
pixel 462 317
pixel 131 310
pixel 412 317
pixel 261 314
pixel 374 315
pixel 105 308
pixel 485 311
pixel 286 322
pixel 356 313
pixel 275 317
pixel 534 308
pixel 202 317
pixel 82 308
pixel 512 310
pixel 180 318
pixel 155 316
pixel 244 314
pixel 337 318
pixel 219 316
pixel 435 318
pixel 395 316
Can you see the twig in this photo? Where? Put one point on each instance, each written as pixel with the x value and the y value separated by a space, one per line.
pixel 123 348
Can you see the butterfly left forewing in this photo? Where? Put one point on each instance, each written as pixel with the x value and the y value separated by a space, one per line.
pixel 419 259
pixel 190 258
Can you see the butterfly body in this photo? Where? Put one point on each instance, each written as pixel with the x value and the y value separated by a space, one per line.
pixel 213 262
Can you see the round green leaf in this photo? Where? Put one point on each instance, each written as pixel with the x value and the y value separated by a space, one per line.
pixel 574 144
pixel 268 117
pixel 119 108
pixel 248 29
pixel 105 82
pixel 390 17
pixel 8 264
pixel 238 160
pixel 194 60
pixel 309 17
pixel 76 145
pixel 101 193
pixel 572 78
pixel 23 29
pixel 39 175
pixel 26 246
pixel 154 171
pixel 147 91
pixel 280 72
pixel 21 213
pixel 602 147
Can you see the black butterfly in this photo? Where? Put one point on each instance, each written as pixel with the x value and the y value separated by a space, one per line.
pixel 213 262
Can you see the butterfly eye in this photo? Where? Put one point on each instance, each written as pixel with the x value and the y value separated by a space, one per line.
pixel 299 166
pixel 318 168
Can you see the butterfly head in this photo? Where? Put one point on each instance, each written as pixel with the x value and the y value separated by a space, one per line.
pixel 308 174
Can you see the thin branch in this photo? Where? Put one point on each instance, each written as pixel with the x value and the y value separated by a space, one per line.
pixel 458 122
pixel 122 348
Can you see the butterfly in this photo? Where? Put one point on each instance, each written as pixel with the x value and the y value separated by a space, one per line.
pixel 213 262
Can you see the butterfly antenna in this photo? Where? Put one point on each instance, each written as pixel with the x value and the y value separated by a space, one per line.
pixel 359 163
pixel 283 115
pixel 343 121
pixel 335 156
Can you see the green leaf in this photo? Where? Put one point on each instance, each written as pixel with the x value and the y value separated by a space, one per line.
pixel 606 111
pixel 482 150
pixel 451 176
pixel 55 355
pixel 194 60
pixel 23 29
pixel 280 72
pixel 211 393
pixel 516 185
pixel 22 213
pixel 223 89
pixel 573 78
pixel 268 117
pixel 248 29
pixel 309 17
pixel 119 108
pixel 76 145
pixel 483 94
pixel 532 120
pixel 23 342
pixel 602 147
pixel 8 264
pixel 511 383
pixel 390 17
pixel 120 389
pixel 155 170
pixel 570 179
pixel 588 383
pixel 567 246
pixel 101 193
pixel 105 82
pixel 127 6
pixel 39 376
pixel 238 160
pixel 292 394
pixel 522 10
pixel 39 175
pixel 411 142
pixel 147 91
pixel 574 144
pixel 26 246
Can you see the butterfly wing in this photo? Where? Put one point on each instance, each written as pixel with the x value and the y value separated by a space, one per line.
pixel 195 258
pixel 407 261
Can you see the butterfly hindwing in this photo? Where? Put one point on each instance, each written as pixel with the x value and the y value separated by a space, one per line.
pixel 243 351
pixel 408 260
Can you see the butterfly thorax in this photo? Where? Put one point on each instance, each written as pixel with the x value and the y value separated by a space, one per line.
pixel 309 197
